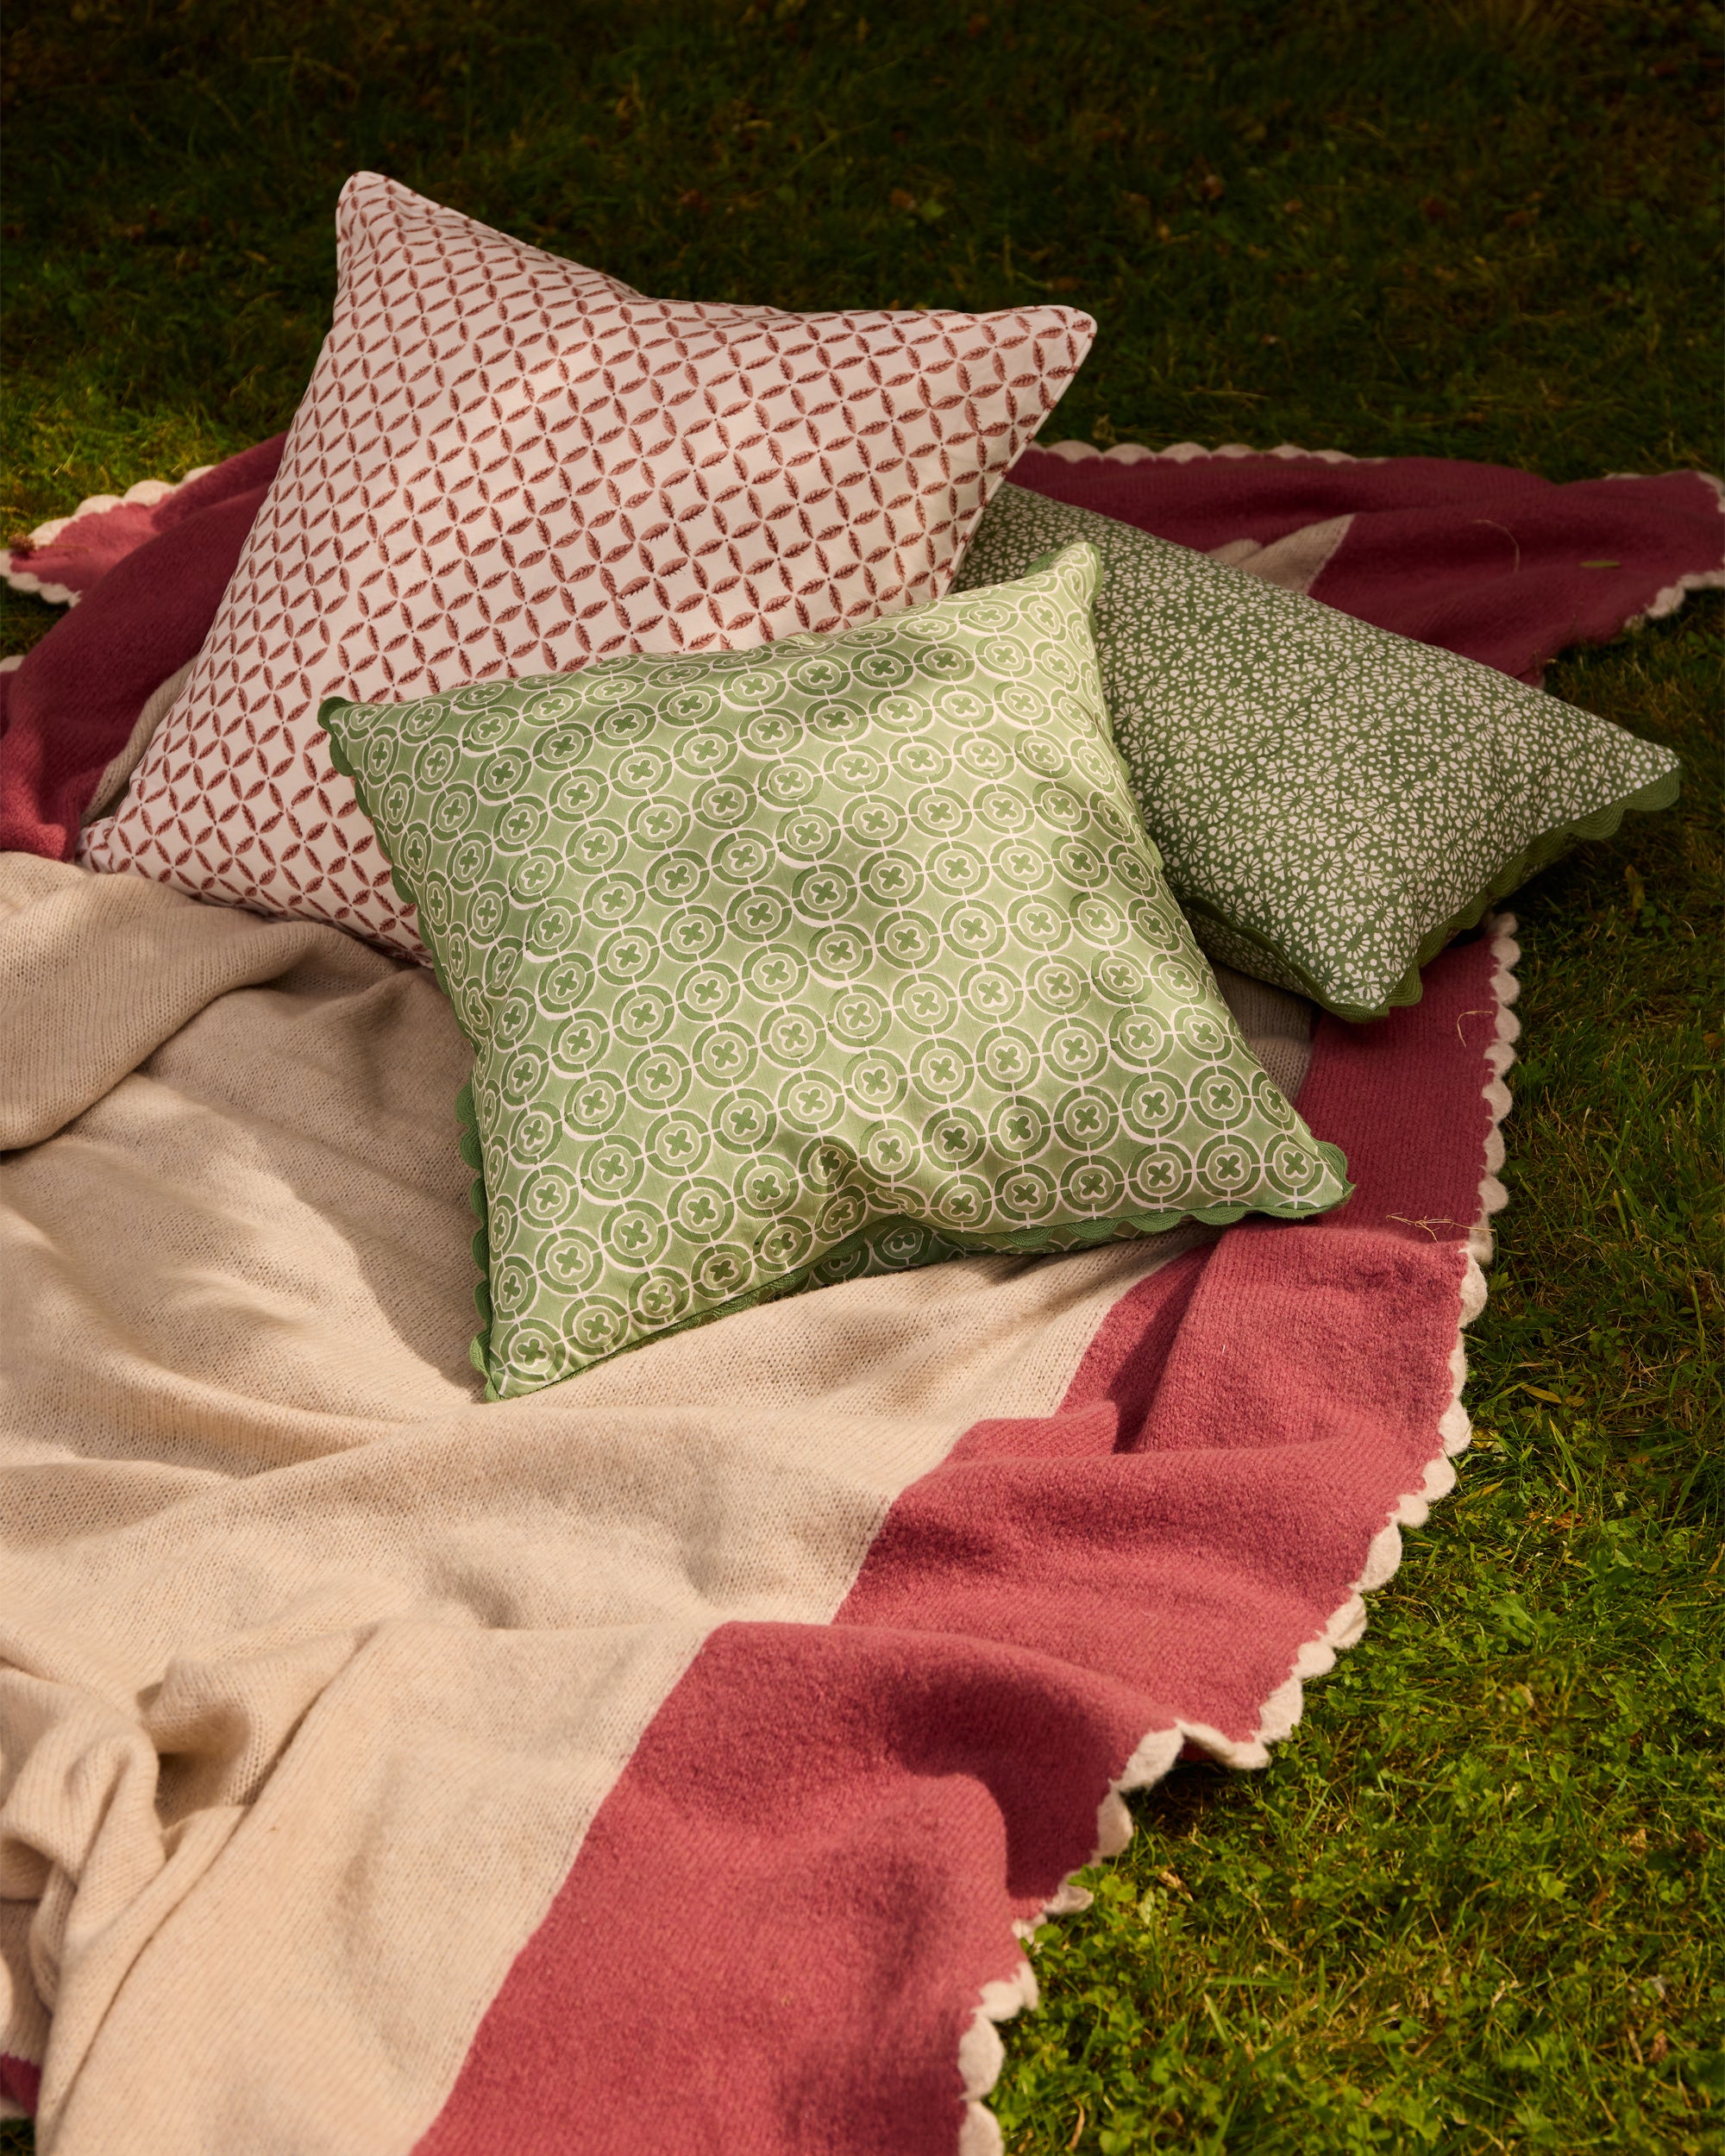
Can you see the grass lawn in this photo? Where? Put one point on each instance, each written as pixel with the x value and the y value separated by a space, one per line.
pixel 1476 1903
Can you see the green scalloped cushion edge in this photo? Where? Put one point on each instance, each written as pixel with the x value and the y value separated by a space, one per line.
pixel 1539 853
pixel 1023 1242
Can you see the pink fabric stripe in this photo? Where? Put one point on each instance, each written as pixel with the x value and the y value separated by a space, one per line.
pixel 21 2082
pixel 774 1934
pixel 1501 566
pixel 68 709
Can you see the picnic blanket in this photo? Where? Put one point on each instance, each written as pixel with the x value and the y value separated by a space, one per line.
pixel 680 1758
pixel 1501 566
pixel 676 1758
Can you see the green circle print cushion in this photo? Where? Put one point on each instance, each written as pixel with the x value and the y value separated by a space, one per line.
pixel 1333 803
pixel 784 965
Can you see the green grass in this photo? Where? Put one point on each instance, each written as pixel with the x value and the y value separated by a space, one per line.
pixel 1468 1907
pixel 1473 1904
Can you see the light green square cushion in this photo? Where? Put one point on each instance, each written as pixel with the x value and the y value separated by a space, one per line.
pixel 786 965
pixel 1333 803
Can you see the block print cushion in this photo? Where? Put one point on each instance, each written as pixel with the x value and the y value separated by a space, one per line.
pixel 1333 803
pixel 506 464
pixel 787 966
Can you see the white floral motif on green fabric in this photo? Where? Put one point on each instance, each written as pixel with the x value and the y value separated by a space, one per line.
pixel 789 965
pixel 1333 803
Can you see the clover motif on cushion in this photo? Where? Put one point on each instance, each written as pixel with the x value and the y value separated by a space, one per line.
pixel 1333 803
pixel 785 967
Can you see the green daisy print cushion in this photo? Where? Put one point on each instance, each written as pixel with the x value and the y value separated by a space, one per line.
pixel 786 965
pixel 1333 803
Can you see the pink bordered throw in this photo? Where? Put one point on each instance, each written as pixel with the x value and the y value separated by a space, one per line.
pixel 682 1756
pixel 1044 1621
pixel 678 1758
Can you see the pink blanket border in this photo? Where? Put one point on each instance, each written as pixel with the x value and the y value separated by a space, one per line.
pixel 120 530
pixel 1666 601
pixel 982 2054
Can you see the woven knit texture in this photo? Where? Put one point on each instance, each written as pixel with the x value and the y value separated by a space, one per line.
pixel 665 1705
pixel 787 968
pixel 1332 802
pixel 507 464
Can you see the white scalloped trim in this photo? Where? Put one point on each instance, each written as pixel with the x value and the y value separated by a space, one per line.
pixel 981 2053
pixel 21 580
pixel 1665 601
pixel 146 494
pixel 1671 596
pixel 1191 451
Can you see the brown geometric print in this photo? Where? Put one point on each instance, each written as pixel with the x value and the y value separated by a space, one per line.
pixel 506 464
